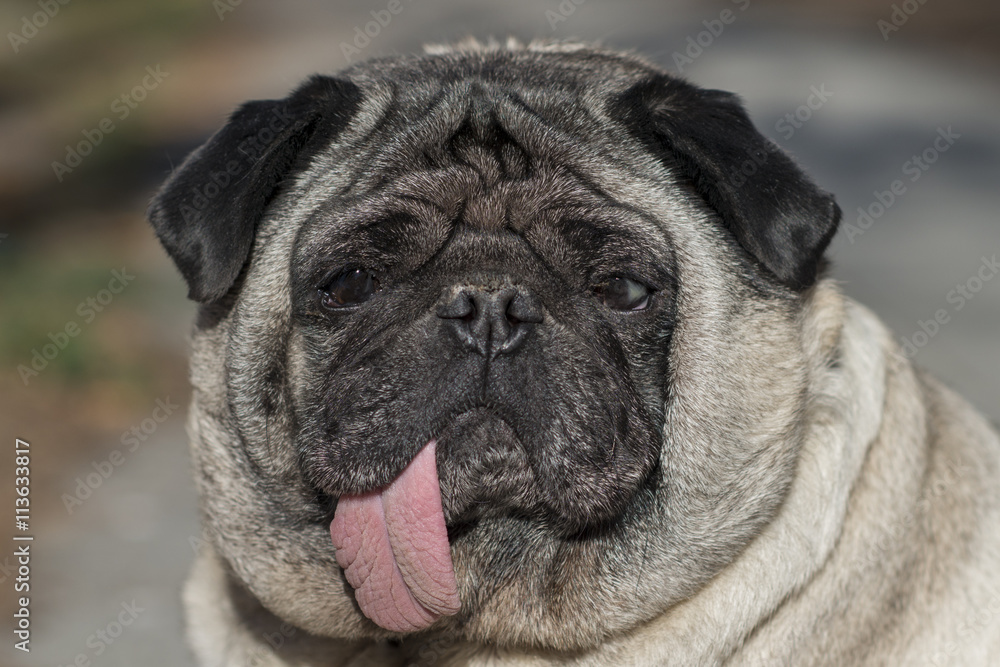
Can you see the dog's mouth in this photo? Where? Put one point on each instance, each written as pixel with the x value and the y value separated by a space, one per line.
pixel 393 546
pixel 394 541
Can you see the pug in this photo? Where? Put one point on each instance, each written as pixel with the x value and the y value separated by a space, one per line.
pixel 526 355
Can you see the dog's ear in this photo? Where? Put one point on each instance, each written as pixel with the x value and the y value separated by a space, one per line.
pixel 772 208
pixel 206 214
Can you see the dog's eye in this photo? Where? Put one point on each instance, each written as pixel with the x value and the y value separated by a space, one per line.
pixel 623 294
pixel 349 289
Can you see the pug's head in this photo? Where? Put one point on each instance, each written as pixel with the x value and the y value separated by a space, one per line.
pixel 503 343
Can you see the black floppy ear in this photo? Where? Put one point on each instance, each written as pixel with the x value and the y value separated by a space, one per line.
pixel 772 208
pixel 206 214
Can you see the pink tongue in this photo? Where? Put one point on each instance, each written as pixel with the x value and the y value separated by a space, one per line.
pixel 393 546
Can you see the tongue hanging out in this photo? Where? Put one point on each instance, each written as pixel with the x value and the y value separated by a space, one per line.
pixel 393 546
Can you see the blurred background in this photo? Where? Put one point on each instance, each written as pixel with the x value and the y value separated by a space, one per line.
pixel 99 100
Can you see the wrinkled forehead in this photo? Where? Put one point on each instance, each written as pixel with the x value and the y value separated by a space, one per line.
pixel 483 154
pixel 501 133
pixel 565 92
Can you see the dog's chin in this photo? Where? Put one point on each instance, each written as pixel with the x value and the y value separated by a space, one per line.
pixel 483 469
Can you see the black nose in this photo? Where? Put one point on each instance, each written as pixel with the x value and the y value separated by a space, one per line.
pixel 490 321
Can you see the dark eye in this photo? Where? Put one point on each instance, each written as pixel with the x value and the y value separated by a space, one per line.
pixel 623 294
pixel 349 289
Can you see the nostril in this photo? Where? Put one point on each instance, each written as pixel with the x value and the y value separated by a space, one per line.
pixel 523 308
pixel 461 307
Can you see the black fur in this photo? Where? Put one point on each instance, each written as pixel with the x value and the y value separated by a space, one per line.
pixel 207 213
pixel 772 208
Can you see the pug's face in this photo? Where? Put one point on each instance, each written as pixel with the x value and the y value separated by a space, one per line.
pixel 503 351
pixel 524 327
